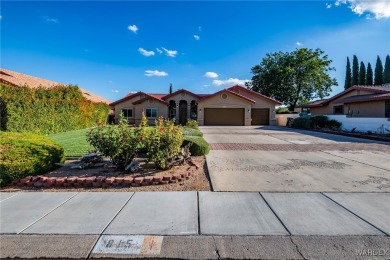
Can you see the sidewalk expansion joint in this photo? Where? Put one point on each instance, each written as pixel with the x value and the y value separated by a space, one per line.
pixel 197 196
pixel 109 222
pixel 276 215
pixel 353 213
pixel 47 213
pixel 10 197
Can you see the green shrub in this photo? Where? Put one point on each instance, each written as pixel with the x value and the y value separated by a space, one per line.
pixel 191 123
pixel 119 142
pixel 301 122
pixel 48 110
pixel 289 121
pixel 284 110
pixel 197 145
pixel 191 132
pixel 333 124
pixel 164 143
pixel 318 121
pixel 22 155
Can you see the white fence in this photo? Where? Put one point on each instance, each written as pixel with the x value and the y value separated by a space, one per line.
pixel 281 119
pixel 363 124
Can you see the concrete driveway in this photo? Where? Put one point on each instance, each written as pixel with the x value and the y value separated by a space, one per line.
pixel 278 159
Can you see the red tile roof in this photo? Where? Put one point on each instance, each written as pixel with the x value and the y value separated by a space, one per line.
pixel 180 91
pixel 150 96
pixel 19 79
pixel 365 98
pixel 251 92
pixel 229 91
pixel 373 89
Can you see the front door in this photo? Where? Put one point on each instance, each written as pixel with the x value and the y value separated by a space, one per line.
pixel 183 116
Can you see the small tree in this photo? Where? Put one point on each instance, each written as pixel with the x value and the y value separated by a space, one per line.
pixel 362 74
pixel 386 72
pixel 369 77
pixel 348 79
pixel 355 71
pixel 378 80
pixel 170 89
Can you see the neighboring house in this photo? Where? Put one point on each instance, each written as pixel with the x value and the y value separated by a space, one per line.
pixel 357 101
pixel 233 106
pixel 19 79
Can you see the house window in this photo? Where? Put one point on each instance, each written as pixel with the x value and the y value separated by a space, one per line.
pixel 338 110
pixel 127 112
pixel 151 112
pixel 387 109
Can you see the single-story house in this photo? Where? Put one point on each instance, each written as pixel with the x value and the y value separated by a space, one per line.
pixel 18 79
pixel 233 106
pixel 357 101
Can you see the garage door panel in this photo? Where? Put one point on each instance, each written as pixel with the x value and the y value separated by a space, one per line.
pixel 260 116
pixel 224 116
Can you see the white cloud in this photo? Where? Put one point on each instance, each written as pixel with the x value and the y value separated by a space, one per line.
pixel 298 43
pixel 133 28
pixel 206 85
pixel 210 74
pixel 229 82
pixel 197 37
pixel 145 52
pixel 379 8
pixel 328 5
pixel 159 51
pixel 170 53
pixel 50 19
pixel 155 73
pixel 115 91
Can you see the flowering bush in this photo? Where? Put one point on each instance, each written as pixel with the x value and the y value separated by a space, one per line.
pixel 119 142
pixel 164 143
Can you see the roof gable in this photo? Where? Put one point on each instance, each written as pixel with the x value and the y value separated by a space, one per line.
pixel 179 92
pixel 251 92
pixel 230 92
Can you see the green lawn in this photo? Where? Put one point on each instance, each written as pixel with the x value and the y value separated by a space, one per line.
pixel 73 142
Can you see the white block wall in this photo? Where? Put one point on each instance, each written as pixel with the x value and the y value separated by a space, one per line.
pixel 362 124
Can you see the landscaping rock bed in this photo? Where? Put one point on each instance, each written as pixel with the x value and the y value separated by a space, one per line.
pixel 192 176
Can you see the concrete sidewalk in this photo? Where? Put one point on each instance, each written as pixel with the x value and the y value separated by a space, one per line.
pixel 194 225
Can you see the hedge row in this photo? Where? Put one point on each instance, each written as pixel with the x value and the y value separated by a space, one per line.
pixel 193 139
pixel 26 154
pixel 48 110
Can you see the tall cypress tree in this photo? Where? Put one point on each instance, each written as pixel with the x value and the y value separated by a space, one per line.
pixel 355 71
pixel 369 77
pixel 386 72
pixel 170 89
pixel 362 74
pixel 378 80
pixel 348 80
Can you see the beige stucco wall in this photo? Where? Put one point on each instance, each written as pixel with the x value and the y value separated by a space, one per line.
pixel 185 97
pixel 162 110
pixel 217 101
pixel 328 109
pixel 263 103
pixel 367 109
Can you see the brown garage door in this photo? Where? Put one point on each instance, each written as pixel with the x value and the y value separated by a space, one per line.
pixel 260 116
pixel 224 116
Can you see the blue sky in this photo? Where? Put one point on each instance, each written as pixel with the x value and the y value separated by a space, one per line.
pixel 113 48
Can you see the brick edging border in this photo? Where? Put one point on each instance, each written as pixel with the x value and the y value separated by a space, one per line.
pixel 106 182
